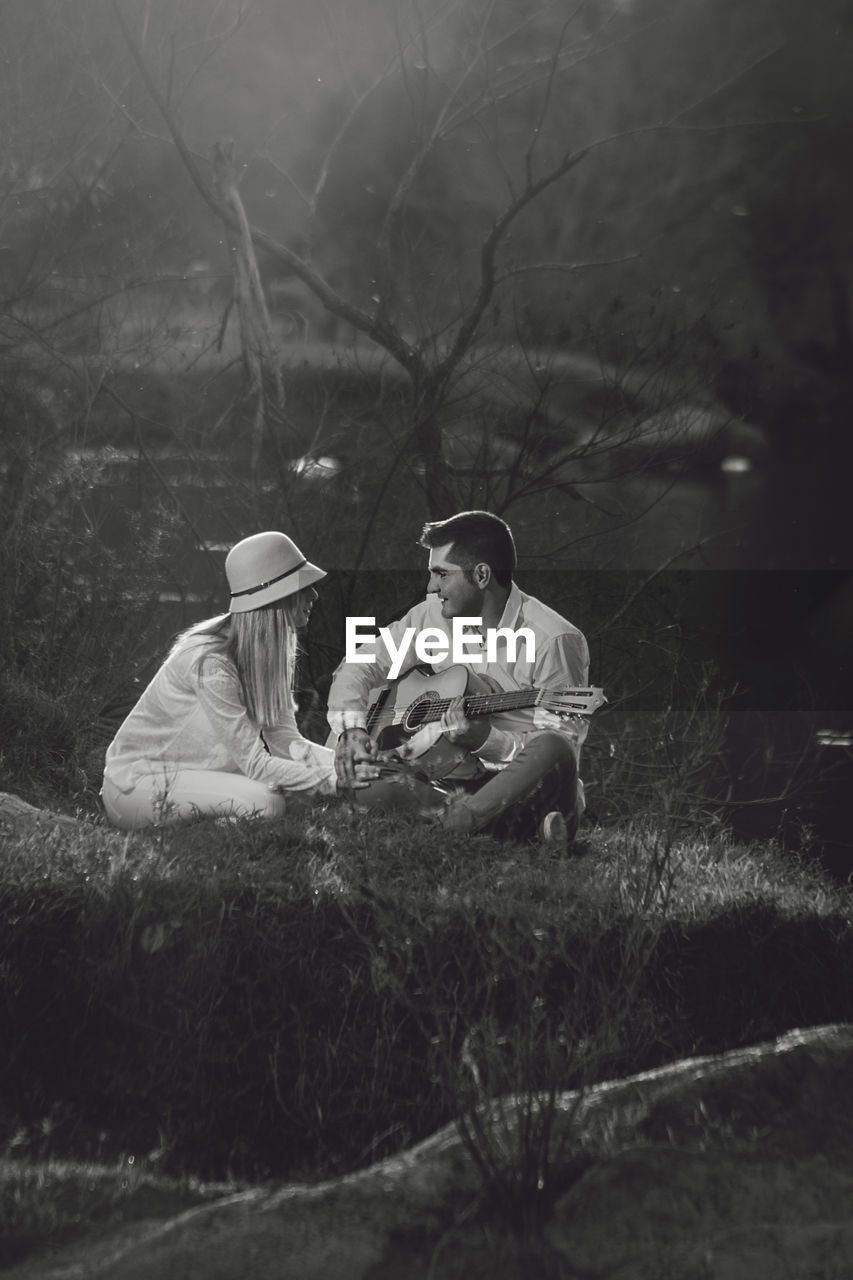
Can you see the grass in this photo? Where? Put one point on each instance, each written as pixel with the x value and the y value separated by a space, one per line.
pixel 712 875
pixel 223 1003
pixel 54 1201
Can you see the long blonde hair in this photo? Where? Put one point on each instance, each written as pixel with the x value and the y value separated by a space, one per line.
pixel 262 644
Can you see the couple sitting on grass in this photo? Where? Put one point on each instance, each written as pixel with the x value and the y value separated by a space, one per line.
pixel 215 731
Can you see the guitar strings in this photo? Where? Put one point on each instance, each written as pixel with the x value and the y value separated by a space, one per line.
pixel 436 707
pixel 473 702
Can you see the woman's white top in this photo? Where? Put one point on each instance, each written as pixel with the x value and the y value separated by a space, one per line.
pixel 193 716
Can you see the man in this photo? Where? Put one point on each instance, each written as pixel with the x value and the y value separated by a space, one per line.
pixel 524 781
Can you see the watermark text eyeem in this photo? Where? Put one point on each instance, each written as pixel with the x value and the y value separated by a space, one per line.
pixel 433 645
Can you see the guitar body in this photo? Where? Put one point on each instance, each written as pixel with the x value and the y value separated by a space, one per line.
pixel 400 713
pixel 400 709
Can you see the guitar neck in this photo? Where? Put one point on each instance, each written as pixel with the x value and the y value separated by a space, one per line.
pixel 482 704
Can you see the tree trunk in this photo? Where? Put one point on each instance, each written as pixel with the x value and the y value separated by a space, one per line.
pixel 264 389
pixel 440 488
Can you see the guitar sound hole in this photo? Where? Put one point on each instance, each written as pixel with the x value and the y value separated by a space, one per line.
pixel 417 714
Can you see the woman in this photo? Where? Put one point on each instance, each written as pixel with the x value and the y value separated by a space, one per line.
pixel 215 731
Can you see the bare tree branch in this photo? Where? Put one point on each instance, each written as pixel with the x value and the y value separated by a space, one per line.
pixel 536 132
pixel 566 267
pixel 488 254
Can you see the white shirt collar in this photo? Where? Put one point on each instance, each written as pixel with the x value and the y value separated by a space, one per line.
pixel 512 608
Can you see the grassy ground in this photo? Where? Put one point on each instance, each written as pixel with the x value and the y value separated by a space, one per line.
pixel 51 1202
pixel 232 1003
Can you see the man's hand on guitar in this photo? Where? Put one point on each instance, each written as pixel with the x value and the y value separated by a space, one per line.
pixel 355 759
pixel 457 728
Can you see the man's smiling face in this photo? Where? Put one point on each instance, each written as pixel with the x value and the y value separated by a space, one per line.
pixel 459 596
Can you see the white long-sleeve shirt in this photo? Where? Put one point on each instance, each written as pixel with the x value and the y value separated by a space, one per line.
pixel 192 716
pixel 560 660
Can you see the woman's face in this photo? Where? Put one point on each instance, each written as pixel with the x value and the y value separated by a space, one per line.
pixel 303 603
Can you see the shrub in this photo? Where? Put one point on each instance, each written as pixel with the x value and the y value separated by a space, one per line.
pixel 75 611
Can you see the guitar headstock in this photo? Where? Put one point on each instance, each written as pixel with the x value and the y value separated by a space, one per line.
pixel 572 702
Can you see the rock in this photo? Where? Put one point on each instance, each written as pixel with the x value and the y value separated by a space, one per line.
pixel 17 817
pixel 706 1216
pixel 737 1166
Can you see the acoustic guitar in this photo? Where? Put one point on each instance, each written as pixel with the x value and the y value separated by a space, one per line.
pixel 403 716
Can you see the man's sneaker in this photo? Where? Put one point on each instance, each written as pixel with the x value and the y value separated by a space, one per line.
pixel 555 832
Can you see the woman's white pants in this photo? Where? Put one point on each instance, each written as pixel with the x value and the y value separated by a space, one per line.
pixel 160 799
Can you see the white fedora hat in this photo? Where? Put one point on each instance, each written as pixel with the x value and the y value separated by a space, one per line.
pixel 267 567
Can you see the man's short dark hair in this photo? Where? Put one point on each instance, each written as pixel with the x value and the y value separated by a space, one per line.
pixel 476 537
